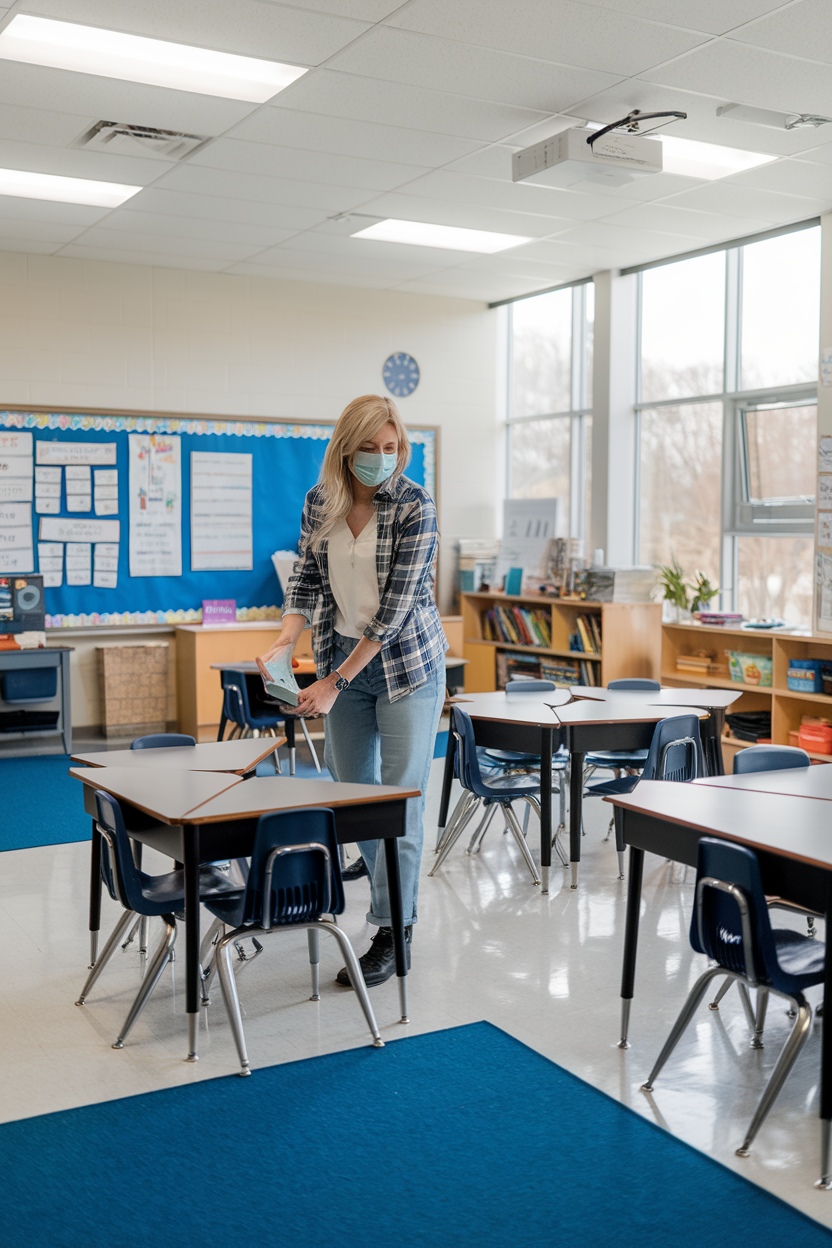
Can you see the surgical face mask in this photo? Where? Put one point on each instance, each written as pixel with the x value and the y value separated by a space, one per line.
pixel 372 469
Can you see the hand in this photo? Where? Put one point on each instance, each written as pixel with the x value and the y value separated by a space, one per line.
pixel 276 648
pixel 317 699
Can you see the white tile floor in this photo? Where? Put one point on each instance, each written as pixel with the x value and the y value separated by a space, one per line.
pixel 487 946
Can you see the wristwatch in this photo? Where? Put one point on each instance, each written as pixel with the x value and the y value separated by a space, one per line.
pixel 341 683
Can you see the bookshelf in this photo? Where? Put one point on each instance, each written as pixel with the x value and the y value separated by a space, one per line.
pixel 787 706
pixel 630 637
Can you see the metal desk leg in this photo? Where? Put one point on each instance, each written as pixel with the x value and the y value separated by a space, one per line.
pixel 95 894
pixel 576 793
pixel 447 780
pixel 66 703
pixel 628 968
pixel 825 1179
pixel 711 729
pixel 545 808
pixel 289 729
pixel 394 889
pixel 190 837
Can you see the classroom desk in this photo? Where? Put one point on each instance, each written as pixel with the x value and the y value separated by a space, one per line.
pixel 238 757
pixel 715 701
pixel 809 782
pixel 50 656
pixel 208 817
pixel 617 723
pixel 513 721
pixel 790 836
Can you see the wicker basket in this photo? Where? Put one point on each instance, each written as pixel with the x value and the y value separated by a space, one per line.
pixel 133 688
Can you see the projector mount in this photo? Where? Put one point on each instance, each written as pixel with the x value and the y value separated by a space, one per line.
pixel 633 123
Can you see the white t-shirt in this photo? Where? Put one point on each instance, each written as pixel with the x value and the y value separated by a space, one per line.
pixel 353 577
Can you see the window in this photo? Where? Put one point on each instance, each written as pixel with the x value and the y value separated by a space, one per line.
pixel 683 329
pixel 727 485
pixel 680 452
pixel 550 356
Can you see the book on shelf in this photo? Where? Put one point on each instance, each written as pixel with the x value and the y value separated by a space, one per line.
pixel 587 638
pixel 517 626
pixel 563 672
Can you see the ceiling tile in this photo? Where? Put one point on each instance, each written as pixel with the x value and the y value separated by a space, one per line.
pixel 473 216
pixel 672 220
pixel 272 31
pixel 80 215
pixel 159 259
pixel 565 31
pixel 41 125
pixel 366 99
pixel 221 208
pixel 31 246
pixel 138 241
pixel 391 270
pixel 292 162
pixel 754 76
pixel 546 201
pixel 362 251
pixel 726 197
pixel 108 99
pixel 444 65
pixel 363 10
pixel 72 162
pixel 188 227
pixel 477 286
pixel 42 231
pixel 252 186
pixel 624 239
pixel 252 269
pixel 715 17
pixel 805 32
pixel 512 264
pixel 793 177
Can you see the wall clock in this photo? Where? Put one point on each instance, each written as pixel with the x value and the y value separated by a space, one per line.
pixel 401 374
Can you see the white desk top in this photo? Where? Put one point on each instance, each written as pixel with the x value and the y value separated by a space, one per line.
pixel 808 782
pixel 232 756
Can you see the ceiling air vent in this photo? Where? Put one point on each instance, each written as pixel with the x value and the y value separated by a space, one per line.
pixel 127 140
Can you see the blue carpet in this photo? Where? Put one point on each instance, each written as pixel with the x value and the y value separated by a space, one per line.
pixel 42 804
pixel 460 1137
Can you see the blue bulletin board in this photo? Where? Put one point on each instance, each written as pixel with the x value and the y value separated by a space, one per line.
pixel 286 460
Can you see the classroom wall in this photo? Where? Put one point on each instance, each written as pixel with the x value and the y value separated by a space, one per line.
pixel 76 333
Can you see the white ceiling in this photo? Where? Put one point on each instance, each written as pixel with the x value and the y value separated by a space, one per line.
pixel 413 110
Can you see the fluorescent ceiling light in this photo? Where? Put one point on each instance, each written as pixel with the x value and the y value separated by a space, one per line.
pixel 133 58
pixel 64 190
pixel 450 237
pixel 706 160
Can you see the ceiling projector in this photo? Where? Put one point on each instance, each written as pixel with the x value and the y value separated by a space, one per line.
pixel 570 157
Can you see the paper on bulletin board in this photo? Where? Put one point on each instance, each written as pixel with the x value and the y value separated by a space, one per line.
pixel 75 452
pixel 825 454
pixel 824 577
pixel 825 528
pixel 826 366
pixel 51 564
pixel 16 546
pixel 16 466
pixel 105 566
pixel 221 511
pixel 155 487
pixel 15 442
pixel 16 490
pixel 61 529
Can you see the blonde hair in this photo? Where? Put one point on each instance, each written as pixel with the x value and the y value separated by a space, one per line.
pixel 359 421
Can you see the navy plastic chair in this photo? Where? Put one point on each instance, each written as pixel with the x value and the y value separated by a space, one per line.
pixel 295 879
pixel 731 926
pixel 140 894
pixel 675 754
pixel 491 790
pixel 161 740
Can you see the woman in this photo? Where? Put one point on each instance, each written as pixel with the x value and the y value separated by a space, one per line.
pixel 364 580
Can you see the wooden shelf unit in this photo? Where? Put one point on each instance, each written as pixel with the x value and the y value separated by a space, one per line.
pixel 787 706
pixel 630 636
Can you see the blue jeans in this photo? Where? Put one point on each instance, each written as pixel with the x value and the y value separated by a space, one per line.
pixel 371 740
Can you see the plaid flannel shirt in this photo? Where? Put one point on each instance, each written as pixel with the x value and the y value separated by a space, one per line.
pixel 407 621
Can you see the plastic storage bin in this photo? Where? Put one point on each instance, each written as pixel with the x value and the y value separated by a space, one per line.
pixel 805 676
pixel 29 684
pixel 816 738
pixel 750 669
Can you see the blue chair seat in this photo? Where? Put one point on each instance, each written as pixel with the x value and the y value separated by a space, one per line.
pixel 800 959
pixel 616 758
pixel 612 788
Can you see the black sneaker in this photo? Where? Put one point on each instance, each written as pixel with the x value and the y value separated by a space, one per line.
pixel 356 871
pixel 379 962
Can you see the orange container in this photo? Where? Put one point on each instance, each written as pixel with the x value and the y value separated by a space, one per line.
pixel 816 738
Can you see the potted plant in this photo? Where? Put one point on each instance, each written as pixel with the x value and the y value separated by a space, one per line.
pixel 703 591
pixel 672 582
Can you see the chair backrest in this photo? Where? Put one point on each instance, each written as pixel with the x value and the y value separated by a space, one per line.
pixel 467 763
pixel 769 758
pixel 158 740
pixel 634 682
pixel 730 922
pixel 676 750
pixel 237 703
pixel 122 878
pixel 294 863
pixel 530 686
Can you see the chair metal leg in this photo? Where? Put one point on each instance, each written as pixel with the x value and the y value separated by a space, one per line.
pixel 610 828
pixel 517 833
pixel 314 941
pixel 526 820
pixel 760 1018
pixel 309 743
pixel 208 958
pixel 796 1039
pixel 750 1016
pixel 152 976
pixel 714 1005
pixel 106 953
pixel 449 841
pixel 132 933
pixel 442 834
pixel 356 979
pixel 232 1000
pixel 292 756
pixel 687 1012
pixel 475 844
pixel 144 931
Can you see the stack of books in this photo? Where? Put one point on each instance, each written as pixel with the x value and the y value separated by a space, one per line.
pixel 517 626
pixel 564 672
pixel 587 639
pixel 696 664
pixel 721 619
pixel 621 584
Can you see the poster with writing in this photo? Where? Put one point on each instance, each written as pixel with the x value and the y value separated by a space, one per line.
pixel 221 529
pixel 16 546
pixel 155 492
